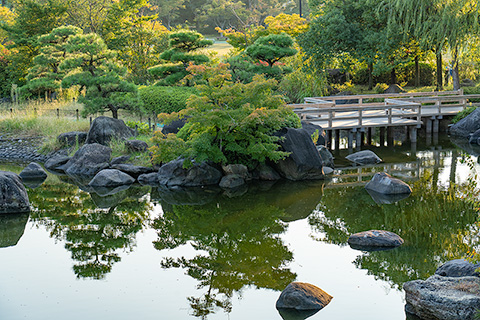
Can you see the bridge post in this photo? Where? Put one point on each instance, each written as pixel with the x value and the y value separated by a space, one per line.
pixel 428 125
pixel 358 140
pixel 390 136
pixel 413 134
pixel 369 136
pixel 382 136
pixel 337 140
pixel 436 125
pixel 350 140
pixel 328 139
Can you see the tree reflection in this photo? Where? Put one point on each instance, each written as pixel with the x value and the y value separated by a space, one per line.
pixel 93 236
pixel 239 243
pixel 437 225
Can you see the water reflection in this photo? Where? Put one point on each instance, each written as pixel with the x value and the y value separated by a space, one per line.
pixel 237 240
pixel 93 236
pixel 12 227
pixel 437 225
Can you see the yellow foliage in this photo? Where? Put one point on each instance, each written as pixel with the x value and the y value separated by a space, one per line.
pixel 291 24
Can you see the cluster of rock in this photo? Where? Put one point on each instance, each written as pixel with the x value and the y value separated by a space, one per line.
pixel 452 293
pixel 468 127
pixel 21 149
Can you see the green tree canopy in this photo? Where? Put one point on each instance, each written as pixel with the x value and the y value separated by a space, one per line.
pixel 94 68
pixel 272 48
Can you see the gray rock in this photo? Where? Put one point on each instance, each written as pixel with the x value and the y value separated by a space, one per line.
pixel 132 170
pixel 458 268
pixel 111 178
pixel 199 174
pixel 88 161
pixel 385 184
pixel 149 179
pixel 104 129
pixel 238 169
pixel 467 125
pixel 304 162
pixel 70 139
pixel 13 196
pixel 443 298
pixel 136 145
pixel 266 173
pixel 12 227
pixel 327 170
pixel 311 128
pixel 33 171
pixel 327 157
pixel 120 160
pixel 174 126
pixel 303 296
pixel 374 238
pixel 364 157
pixel 57 161
pixel 231 181
pixel 474 137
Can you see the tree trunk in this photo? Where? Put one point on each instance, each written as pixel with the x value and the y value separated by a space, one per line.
pixel 370 76
pixel 417 72
pixel 393 76
pixel 114 113
pixel 300 8
pixel 439 70
pixel 455 75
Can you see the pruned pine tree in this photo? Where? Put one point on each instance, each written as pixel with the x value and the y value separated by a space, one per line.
pixel 181 53
pixel 45 77
pixel 94 68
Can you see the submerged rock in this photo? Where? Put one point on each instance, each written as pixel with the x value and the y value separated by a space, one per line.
pixel 199 174
pixel 13 196
pixel 364 157
pixel 381 198
pixel 385 184
pixel 443 298
pixel 231 181
pixel 303 296
pixel 33 171
pixel 373 239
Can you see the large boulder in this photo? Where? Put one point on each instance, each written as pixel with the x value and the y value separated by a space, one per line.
pixel 111 178
pixel 238 169
pixel 303 296
pixel 266 173
pixel 443 298
pixel 33 171
pixel 304 162
pixel 199 174
pixel 104 129
pixel 458 268
pixel 136 145
pixel 73 138
pixel 475 137
pixel 374 239
pixel 327 157
pixel 231 181
pixel 13 196
pixel 394 88
pixel 385 184
pixel 56 161
pixel 88 161
pixel 467 125
pixel 311 129
pixel 364 157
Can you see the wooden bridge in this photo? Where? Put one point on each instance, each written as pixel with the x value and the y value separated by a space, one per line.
pixel 359 114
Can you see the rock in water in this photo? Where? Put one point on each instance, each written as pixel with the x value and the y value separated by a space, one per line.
pixel 369 240
pixel 303 296
pixel 111 178
pixel 13 196
pixel 199 174
pixel 104 129
pixel 364 157
pixel 304 162
pixel 458 268
pixel 88 160
pixel 383 183
pixel 33 171
pixel 443 298
pixel 467 125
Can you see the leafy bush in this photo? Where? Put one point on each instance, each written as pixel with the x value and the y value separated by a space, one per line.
pixel 142 127
pixel 228 122
pixel 158 99
pixel 380 87
pixel 462 114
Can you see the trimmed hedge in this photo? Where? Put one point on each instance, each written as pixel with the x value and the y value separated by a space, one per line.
pixel 160 99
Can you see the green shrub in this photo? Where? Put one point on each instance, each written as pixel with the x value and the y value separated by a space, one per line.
pixel 142 127
pixel 158 99
pixel 462 114
pixel 404 74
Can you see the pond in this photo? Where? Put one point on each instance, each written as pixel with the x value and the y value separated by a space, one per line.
pixel 148 253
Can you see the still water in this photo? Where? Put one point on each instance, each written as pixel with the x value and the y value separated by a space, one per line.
pixel 147 253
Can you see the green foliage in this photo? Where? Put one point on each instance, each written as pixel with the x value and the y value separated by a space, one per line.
pixel 91 66
pixel 159 99
pixel 244 68
pixel 167 147
pixel 405 73
pixel 232 122
pixel 181 53
pixel 272 48
pixel 142 127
